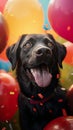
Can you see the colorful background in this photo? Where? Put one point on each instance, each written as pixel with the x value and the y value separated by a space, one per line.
pixel 31 16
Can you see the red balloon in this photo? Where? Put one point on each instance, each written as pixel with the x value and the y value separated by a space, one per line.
pixel 3 33
pixel 69 57
pixel 70 98
pixel 61 123
pixel 60 15
pixel 9 91
pixel 2 4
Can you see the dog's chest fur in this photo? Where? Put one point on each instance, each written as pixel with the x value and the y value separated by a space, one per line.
pixel 43 112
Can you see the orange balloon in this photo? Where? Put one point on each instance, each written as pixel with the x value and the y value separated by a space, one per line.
pixel 23 17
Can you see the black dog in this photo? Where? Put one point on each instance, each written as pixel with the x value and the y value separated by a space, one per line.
pixel 37 59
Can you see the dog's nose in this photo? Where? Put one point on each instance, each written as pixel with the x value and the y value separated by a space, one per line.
pixel 43 51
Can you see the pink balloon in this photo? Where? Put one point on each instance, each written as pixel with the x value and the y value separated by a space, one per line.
pixel 60 15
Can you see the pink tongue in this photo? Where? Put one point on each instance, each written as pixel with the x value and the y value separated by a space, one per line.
pixel 43 78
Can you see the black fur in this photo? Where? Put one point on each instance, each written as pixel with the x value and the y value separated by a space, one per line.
pixel 38 51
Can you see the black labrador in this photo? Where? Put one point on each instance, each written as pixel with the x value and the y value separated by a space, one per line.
pixel 38 59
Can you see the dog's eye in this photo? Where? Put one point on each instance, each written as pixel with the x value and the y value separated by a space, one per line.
pixel 50 44
pixel 28 45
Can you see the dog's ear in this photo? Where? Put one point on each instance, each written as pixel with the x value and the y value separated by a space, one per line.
pixel 61 49
pixel 61 53
pixel 13 51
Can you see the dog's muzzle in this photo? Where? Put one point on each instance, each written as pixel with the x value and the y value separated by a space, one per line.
pixel 41 50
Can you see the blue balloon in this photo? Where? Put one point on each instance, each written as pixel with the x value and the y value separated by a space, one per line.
pixel 5 65
pixel 45 4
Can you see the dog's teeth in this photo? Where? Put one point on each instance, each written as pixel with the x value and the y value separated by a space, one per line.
pixel 32 71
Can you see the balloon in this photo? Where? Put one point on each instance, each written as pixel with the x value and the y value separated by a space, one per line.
pixel 5 65
pixel 3 33
pixel 9 90
pixel 23 16
pixel 45 3
pixel 70 97
pixel 2 4
pixel 60 15
pixel 69 57
pixel 61 123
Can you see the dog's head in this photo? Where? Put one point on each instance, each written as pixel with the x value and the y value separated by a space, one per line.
pixel 37 55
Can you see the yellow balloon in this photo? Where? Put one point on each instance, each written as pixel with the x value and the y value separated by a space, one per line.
pixel 23 17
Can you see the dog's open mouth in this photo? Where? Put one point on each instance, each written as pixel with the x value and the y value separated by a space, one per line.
pixel 40 75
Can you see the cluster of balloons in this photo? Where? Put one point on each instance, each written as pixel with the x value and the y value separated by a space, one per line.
pixel 35 16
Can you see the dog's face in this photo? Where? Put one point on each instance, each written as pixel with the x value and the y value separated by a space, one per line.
pixel 37 58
